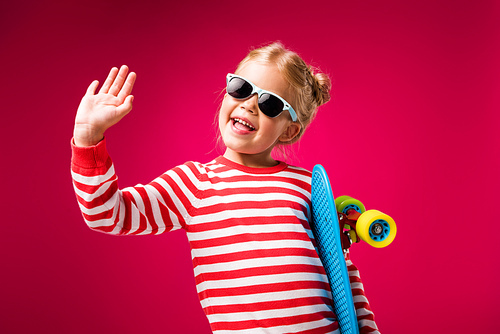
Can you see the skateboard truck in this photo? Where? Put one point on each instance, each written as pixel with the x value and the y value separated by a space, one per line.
pixel 357 223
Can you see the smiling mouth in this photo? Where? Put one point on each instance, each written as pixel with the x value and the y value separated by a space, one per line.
pixel 241 124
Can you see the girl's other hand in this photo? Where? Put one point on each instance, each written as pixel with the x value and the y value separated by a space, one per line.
pixel 97 112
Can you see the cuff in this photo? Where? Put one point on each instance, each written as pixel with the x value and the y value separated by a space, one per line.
pixel 89 157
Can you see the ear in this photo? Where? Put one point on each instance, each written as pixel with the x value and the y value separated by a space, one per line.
pixel 291 131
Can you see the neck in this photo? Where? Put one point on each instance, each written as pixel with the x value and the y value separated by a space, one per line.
pixel 261 160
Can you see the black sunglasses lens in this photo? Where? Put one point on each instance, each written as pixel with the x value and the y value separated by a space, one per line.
pixel 239 88
pixel 270 105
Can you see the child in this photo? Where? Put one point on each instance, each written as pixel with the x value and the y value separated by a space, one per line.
pixel 246 215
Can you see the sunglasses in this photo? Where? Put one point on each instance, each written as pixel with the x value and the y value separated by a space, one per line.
pixel 270 104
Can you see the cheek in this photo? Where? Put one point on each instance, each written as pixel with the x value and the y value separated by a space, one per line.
pixel 226 107
pixel 272 130
pixel 224 113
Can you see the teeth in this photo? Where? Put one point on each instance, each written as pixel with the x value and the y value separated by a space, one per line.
pixel 244 123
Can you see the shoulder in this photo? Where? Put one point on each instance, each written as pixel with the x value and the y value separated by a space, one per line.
pixel 197 171
pixel 298 173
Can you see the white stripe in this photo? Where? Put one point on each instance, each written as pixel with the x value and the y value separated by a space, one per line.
pixel 235 172
pixel 109 205
pixel 363 312
pixel 368 323
pixel 101 190
pixel 136 210
pixel 246 229
pixel 247 197
pixel 177 202
pixel 356 285
pixel 154 197
pixel 261 280
pixel 269 314
pixel 254 245
pixel 119 226
pixel 103 222
pixel 255 183
pixel 245 213
pixel 93 180
pixel 264 297
pixel 359 299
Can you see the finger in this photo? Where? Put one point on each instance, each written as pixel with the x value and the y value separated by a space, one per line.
pixel 126 106
pixel 119 80
pixel 109 80
pixel 92 87
pixel 127 87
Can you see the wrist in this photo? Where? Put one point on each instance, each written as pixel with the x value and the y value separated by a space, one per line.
pixel 83 136
pixel 86 142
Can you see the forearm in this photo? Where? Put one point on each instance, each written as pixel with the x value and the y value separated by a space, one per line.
pixel 106 208
pixel 366 319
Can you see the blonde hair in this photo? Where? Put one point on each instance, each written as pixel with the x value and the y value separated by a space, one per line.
pixel 310 88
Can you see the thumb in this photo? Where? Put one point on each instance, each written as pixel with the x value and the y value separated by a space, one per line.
pixel 126 106
pixel 92 87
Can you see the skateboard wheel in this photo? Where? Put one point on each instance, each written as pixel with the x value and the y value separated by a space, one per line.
pixel 345 203
pixel 376 228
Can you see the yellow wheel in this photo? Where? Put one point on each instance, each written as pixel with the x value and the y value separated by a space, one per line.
pixel 344 203
pixel 376 228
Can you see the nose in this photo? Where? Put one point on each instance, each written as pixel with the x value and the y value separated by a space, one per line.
pixel 251 104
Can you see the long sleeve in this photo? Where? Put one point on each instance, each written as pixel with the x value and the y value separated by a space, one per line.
pixel 366 319
pixel 160 206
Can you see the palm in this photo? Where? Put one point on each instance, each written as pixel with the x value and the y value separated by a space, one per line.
pixel 98 110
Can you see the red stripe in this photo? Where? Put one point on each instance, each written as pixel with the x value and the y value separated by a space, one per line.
pixel 143 225
pixel 113 188
pixel 105 229
pixel 90 189
pixel 176 190
pixel 260 271
pixel 186 181
pixel 254 190
pixel 354 278
pixel 271 305
pixel 148 209
pixel 320 330
pixel 264 204
pixel 108 214
pixel 255 178
pixel 168 207
pixel 254 254
pixel 127 219
pixel 367 329
pixel 265 288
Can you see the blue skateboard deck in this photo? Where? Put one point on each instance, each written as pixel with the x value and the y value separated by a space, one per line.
pixel 326 230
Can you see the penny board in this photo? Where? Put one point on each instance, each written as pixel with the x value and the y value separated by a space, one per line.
pixel 326 230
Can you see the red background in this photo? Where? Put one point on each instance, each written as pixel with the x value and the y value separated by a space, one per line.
pixel 412 130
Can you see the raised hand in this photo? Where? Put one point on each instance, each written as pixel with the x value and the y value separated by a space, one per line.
pixel 97 112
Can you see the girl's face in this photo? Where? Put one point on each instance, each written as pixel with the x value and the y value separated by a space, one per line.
pixel 248 134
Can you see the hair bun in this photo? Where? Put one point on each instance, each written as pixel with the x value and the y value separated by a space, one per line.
pixel 321 88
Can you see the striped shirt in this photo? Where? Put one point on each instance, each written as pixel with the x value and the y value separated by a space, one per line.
pixel 255 263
